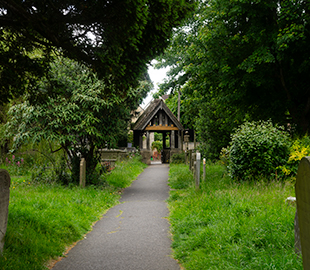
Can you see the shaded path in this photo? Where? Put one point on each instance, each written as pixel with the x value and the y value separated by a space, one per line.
pixel 132 235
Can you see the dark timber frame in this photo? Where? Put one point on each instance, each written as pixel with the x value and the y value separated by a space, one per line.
pixel 158 118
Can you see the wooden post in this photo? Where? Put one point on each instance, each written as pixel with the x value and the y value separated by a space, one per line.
pixel 83 172
pixel 204 170
pixel 198 159
pixel 185 157
pixel 190 159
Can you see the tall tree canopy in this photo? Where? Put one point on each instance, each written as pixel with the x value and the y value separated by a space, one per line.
pixel 246 59
pixel 115 38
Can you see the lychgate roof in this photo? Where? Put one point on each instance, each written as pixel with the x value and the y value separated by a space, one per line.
pixel 157 117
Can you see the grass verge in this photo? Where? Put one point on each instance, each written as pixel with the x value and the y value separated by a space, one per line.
pixel 231 225
pixel 44 219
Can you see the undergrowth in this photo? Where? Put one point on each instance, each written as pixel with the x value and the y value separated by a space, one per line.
pixel 231 225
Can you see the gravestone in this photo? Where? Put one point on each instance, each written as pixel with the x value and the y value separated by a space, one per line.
pixel 302 189
pixel 5 182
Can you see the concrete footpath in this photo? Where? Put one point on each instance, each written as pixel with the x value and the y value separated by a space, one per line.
pixel 133 235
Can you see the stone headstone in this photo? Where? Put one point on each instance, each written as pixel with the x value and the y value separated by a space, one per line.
pixel 83 172
pixel 303 208
pixel 297 235
pixel 5 182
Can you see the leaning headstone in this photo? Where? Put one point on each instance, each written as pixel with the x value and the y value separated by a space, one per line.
pixel 5 182
pixel 83 172
pixel 303 208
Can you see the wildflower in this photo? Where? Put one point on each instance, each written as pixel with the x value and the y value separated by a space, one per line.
pixel 6 160
pixel 13 157
pixel 9 162
pixel 18 163
pixel 22 160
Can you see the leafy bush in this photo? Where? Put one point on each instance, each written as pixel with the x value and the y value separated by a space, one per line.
pixel 158 145
pixel 257 149
pixel 299 149
pixel 177 158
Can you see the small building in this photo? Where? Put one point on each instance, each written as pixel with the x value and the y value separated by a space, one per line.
pixel 157 117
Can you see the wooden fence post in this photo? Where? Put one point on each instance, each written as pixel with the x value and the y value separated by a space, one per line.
pixel 198 159
pixel 190 159
pixel 204 170
pixel 83 172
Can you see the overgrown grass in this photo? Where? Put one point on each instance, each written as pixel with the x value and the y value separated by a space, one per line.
pixel 231 225
pixel 122 177
pixel 46 218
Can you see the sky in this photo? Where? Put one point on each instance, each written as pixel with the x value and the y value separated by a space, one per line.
pixel 157 76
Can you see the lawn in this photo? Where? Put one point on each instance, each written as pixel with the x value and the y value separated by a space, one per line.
pixel 46 218
pixel 231 225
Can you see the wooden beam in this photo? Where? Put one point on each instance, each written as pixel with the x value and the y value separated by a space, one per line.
pixel 160 128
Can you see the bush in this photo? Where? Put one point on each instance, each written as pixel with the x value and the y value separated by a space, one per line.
pixel 177 158
pixel 158 145
pixel 299 149
pixel 257 149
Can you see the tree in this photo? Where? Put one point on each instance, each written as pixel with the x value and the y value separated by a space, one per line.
pixel 249 59
pixel 115 38
pixel 80 117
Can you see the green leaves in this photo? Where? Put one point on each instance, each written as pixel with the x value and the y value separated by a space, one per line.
pixel 79 114
pixel 115 38
pixel 257 149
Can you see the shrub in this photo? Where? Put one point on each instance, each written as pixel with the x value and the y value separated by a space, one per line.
pixel 177 158
pixel 158 145
pixel 299 149
pixel 257 149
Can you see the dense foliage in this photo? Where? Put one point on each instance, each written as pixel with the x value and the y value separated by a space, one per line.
pixel 157 145
pixel 241 60
pixel 177 158
pixel 257 149
pixel 299 149
pixel 115 38
pixel 79 116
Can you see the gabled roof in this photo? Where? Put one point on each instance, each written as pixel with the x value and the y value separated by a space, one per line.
pixel 151 111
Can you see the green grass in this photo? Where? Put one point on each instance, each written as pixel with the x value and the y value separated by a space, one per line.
pixel 122 177
pixel 231 225
pixel 44 219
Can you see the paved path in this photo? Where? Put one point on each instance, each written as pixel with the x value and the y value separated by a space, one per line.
pixel 132 235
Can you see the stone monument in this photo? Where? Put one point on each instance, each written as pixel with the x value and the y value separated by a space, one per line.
pixel 303 208
pixel 5 182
